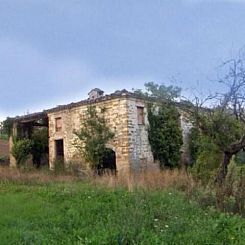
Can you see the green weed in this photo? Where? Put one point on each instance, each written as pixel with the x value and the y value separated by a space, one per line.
pixel 79 213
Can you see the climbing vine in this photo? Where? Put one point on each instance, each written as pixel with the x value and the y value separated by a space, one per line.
pixel 165 134
pixel 164 131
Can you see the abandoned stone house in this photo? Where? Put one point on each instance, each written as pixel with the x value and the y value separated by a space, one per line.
pixel 126 114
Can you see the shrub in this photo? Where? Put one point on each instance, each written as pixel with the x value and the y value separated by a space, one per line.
pixel 21 150
pixel 4 160
pixel 165 134
pixel 6 127
pixel 194 144
pixel 93 136
pixel 240 157
pixel 208 158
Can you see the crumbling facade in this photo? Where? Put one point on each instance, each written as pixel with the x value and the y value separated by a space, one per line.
pixel 126 115
pixel 130 142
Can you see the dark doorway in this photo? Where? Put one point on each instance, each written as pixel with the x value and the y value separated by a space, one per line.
pixel 59 146
pixel 108 163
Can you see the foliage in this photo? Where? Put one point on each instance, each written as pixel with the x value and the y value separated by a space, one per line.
pixel 159 92
pixel 222 128
pixel 4 160
pixel 39 144
pixel 93 136
pixel 164 131
pixel 207 159
pixel 217 130
pixel 211 139
pixel 79 213
pixel 36 146
pixel 3 136
pixel 224 122
pixel 21 150
pixel 194 144
pixel 240 157
pixel 230 197
pixel 164 134
pixel 6 127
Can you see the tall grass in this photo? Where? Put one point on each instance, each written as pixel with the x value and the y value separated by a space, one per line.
pixel 33 176
pixel 148 180
pixel 229 198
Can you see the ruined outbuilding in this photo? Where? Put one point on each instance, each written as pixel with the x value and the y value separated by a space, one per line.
pixel 126 114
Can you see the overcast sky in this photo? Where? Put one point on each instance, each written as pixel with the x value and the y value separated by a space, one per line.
pixel 54 51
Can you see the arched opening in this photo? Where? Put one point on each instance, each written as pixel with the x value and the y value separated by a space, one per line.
pixel 108 163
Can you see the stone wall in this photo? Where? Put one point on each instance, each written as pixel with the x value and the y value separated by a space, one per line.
pixel 117 116
pixel 130 143
pixel 186 126
pixel 140 151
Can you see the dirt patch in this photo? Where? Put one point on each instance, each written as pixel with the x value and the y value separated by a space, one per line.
pixel 4 148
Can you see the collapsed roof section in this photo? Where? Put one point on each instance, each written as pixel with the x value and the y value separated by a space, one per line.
pixel 38 118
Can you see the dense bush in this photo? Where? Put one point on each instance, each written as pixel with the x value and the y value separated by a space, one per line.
pixel 164 131
pixel 240 158
pixel 21 150
pixel 232 198
pixel 208 161
pixel 165 134
pixel 6 127
pixel 205 156
pixel 194 144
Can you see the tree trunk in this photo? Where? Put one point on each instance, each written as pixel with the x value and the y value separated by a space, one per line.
pixel 230 151
pixel 223 168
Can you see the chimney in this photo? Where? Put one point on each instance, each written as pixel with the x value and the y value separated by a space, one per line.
pixel 95 94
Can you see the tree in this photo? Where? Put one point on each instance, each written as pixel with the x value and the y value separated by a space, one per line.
pixel 224 123
pixel 6 126
pixel 93 136
pixel 164 131
pixel 159 92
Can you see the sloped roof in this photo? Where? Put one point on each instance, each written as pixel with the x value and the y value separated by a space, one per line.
pixel 44 114
pixel 117 94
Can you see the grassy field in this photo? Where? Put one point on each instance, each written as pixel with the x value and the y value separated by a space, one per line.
pixel 82 213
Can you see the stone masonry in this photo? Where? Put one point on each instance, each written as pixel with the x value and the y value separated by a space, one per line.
pixel 130 142
pixel 126 115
